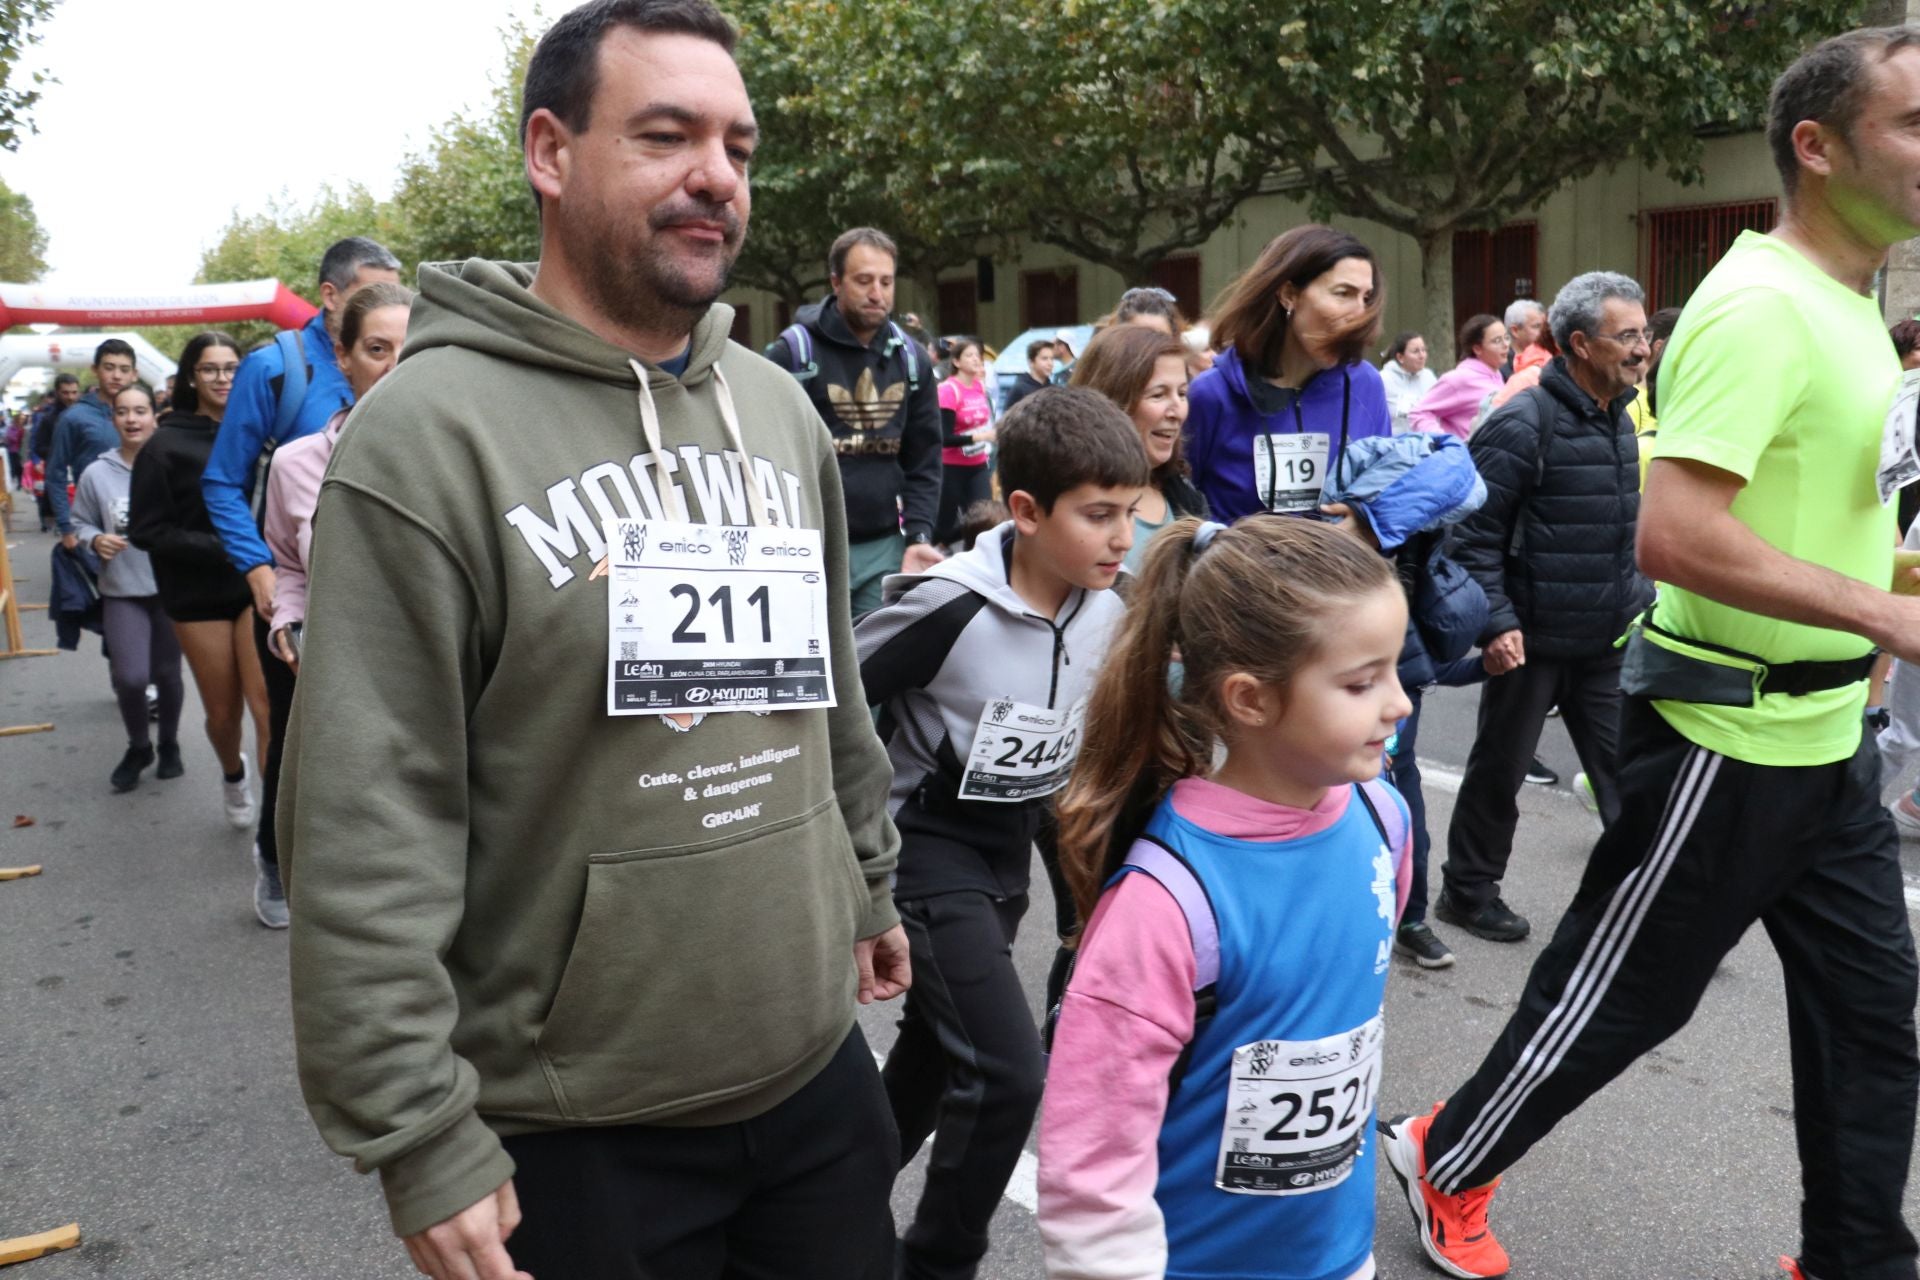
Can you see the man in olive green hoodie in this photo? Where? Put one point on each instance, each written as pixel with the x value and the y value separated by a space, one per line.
pixel 587 877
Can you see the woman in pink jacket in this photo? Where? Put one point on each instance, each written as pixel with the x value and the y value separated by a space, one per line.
pixel 373 326
pixel 1454 403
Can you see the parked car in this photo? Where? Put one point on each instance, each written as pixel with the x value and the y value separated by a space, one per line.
pixel 1012 360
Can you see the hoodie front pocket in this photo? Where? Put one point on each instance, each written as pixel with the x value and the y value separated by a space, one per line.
pixel 699 976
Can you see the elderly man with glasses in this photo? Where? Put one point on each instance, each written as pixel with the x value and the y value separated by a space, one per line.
pixel 1553 548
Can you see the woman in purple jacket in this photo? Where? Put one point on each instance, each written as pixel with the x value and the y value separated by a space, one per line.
pixel 1291 385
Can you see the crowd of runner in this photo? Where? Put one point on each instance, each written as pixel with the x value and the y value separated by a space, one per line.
pixel 813 649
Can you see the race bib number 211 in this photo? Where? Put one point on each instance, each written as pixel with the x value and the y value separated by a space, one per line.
pixel 706 618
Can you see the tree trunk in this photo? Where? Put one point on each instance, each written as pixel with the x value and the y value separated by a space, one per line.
pixel 1436 284
pixel 926 278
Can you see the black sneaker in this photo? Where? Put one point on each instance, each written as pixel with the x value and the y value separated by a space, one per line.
pixel 1541 776
pixel 126 774
pixel 170 766
pixel 1417 943
pixel 1493 921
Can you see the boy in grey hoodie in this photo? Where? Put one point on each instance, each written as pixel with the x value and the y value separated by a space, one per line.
pixel 981 668
pixel 584 817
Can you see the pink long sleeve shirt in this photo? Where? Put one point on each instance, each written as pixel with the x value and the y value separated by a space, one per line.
pixel 1132 1015
pixel 1455 400
pixel 293 489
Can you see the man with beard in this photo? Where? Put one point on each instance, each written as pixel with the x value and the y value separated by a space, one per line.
pixel 1553 549
pixel 871 385
pixel 586 824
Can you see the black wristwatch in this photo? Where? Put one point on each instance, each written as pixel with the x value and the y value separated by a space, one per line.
pixel 919 539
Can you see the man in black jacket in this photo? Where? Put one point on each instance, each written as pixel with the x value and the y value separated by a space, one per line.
pixel 1553 548
pixel 871 384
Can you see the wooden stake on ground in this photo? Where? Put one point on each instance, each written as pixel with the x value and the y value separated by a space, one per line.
pixel 19 873
pixel 14 731
pixel 10 615
pixel 27 1248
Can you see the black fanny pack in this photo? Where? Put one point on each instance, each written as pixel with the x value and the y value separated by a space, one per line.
pixel 1659 664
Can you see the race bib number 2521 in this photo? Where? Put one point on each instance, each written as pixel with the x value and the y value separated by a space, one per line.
pixel 705 618
pixel 1298 1112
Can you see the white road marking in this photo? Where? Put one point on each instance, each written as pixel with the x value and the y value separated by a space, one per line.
pixel 1024 1187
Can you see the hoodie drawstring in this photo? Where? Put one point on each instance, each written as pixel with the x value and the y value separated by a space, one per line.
pixel 757 508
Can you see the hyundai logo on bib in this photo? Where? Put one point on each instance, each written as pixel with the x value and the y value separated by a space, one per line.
pixel 699 695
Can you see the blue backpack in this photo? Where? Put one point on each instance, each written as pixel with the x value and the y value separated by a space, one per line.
pixel 1149 857
pixel 291 389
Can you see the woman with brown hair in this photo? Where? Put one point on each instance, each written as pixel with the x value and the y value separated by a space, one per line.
pixel 1291 386
pixel 200 590
pixel 1144 371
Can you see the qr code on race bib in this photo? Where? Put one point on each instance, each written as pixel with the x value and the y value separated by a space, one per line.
pixel 629 650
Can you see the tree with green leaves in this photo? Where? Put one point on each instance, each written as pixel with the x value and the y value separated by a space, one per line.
pixel 21 25
pixel 1084 127
pixel 466 194
pixel 811 181
pixel 23 241
pixel 284 242
pixel 1448 114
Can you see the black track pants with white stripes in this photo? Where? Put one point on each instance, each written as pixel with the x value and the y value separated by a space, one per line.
pixel 1706 845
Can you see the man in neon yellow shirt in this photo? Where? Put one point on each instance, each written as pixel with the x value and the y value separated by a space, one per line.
pixel 1747 791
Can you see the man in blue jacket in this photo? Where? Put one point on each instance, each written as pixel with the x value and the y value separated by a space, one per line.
pixel 266 410
pixel 85 431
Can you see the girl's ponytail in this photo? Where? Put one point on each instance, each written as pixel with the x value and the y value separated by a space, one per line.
pixel 1139 741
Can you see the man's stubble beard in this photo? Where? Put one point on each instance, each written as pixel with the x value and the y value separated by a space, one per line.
pixel 635 284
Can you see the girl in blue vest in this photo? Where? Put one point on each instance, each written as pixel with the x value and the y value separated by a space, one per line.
pixel 1210 1100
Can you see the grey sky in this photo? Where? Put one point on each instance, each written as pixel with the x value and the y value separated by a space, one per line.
pixel 169 116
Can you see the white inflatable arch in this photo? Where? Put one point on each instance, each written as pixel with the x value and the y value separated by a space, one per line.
pixel 75 351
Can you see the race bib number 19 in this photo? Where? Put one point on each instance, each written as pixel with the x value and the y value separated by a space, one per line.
pixel 1298 1112
pixel 705 618
pixel 1288 470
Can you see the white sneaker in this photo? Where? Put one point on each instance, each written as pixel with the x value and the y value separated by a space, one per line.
pixel 238 797
pixel 269 898
pixel 1906 816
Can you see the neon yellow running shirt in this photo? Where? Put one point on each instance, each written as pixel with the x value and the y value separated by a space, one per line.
pixel 1783 376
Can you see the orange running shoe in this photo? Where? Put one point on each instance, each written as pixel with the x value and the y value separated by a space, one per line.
pixel 1792 1267
pixel 1453 1229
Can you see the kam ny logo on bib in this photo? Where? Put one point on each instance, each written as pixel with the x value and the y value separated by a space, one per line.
pixel 1021 751
pixel 1288 470
pixel 706 618
pixel 1298 1112
pixel 1899 458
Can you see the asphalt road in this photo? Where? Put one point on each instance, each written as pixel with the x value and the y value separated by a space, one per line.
pixel 147 1088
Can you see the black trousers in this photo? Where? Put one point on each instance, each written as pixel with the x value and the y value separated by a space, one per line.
pixel 1513 711
pixel 968 1060
pixel 1405 776
pixel 1704 846
pixel 960 488
pixel 800 1193
pixel 280 684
